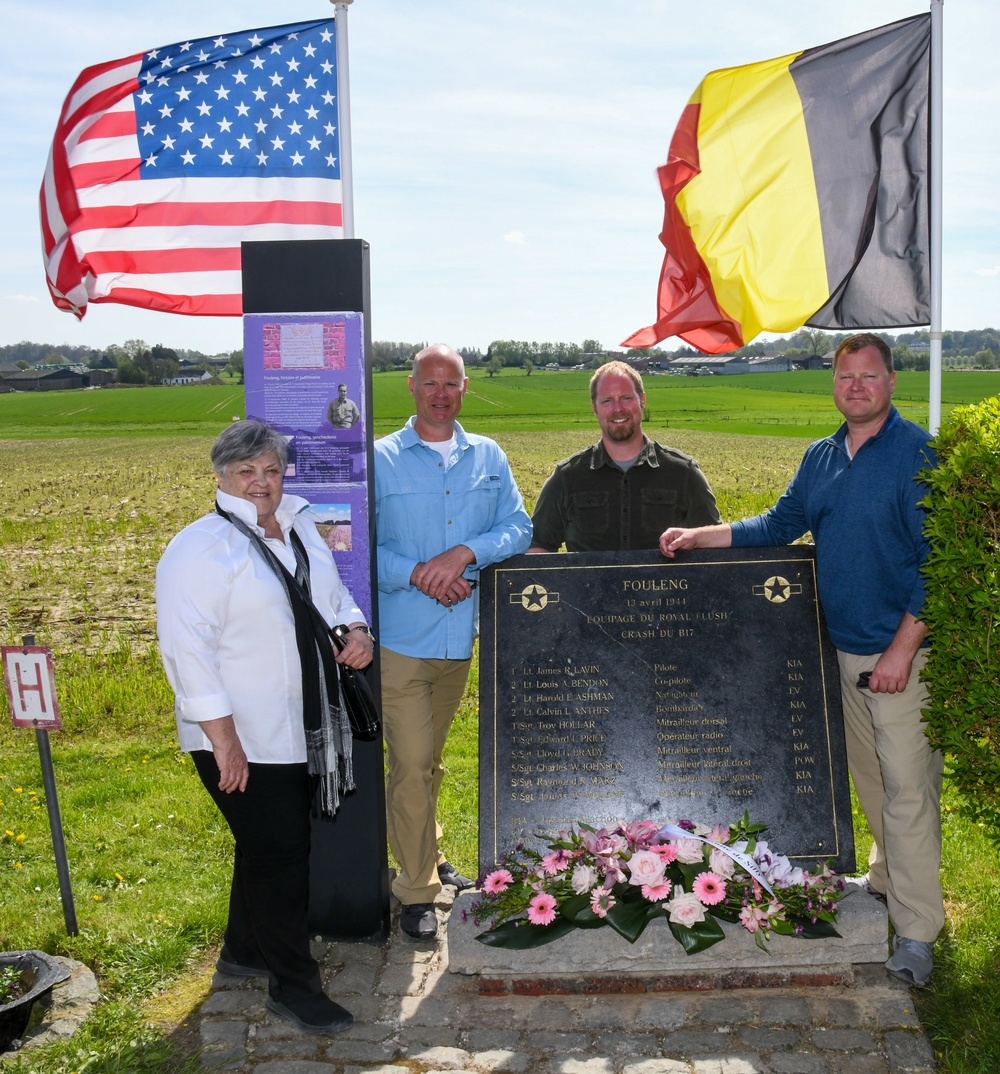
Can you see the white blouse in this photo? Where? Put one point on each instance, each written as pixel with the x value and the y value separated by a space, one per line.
pixel 227 635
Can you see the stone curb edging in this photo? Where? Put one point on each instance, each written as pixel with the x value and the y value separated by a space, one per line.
pixel 415 1017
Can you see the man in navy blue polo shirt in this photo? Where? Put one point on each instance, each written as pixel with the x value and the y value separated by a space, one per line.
pixel 857 492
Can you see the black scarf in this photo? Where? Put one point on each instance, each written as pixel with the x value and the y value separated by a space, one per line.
pixel 324 717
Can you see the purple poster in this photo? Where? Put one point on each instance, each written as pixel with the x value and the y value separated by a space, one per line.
pixel 304 374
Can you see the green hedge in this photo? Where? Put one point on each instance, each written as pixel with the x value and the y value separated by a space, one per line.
pixel 963 607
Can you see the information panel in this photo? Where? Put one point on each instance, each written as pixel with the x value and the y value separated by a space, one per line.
pixel 630 687
pixel 305 375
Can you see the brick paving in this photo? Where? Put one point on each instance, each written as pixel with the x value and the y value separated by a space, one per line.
pixel 413 1017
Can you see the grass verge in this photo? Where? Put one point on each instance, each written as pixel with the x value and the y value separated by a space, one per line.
pixel 82 525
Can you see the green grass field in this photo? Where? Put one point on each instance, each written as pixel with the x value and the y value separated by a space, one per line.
pixel 92 486
pixel 776 404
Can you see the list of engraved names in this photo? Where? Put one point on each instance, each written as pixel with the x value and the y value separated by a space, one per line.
pixel 664 692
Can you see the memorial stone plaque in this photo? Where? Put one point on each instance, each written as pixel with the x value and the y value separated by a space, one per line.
pixel 630 687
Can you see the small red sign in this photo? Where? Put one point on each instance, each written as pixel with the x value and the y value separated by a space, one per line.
pixel 31 687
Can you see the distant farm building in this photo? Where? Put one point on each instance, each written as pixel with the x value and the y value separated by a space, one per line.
pixel 725 364
pixel 54 380
pixel 196 376
pixel 35 380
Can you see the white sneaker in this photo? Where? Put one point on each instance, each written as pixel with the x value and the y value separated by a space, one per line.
pixel 912 960
pixel 862 883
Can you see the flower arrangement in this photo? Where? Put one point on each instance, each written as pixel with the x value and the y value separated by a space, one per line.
pixel 629 874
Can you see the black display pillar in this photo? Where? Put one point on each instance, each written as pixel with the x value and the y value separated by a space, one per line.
pixel 349 887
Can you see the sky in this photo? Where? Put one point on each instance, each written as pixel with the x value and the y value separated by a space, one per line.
pixel 505 154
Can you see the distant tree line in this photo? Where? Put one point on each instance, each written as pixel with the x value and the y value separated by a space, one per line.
pixel 976 349
pixel 135 360
pixel 138 363
pixel 500 354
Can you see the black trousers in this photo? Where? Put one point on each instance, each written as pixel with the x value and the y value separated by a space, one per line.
pixel 268 901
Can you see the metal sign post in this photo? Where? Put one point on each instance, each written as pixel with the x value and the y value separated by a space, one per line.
pixel 31 691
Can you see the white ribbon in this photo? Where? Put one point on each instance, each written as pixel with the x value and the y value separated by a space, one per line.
pixel 672 831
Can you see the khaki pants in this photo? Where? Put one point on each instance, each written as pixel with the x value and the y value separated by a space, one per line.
pixel 419 701
pixel 898 779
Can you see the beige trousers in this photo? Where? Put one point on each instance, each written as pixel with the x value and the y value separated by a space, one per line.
pixel 898 779
pixel 419 702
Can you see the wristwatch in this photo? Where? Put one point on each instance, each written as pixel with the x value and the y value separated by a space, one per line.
pixel 365 629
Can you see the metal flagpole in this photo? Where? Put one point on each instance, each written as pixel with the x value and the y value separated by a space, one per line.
pixel 936 169
pixel 344 113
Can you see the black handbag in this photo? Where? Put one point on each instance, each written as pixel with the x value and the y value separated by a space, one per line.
pixel 362 709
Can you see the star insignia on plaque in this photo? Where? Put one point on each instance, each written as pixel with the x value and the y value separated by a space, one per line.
pixel 534 598
pixel 777 589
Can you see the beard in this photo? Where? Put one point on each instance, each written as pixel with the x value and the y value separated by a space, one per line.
pixel 624 431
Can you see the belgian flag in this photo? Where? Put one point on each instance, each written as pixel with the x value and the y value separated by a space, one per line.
pixel 797 193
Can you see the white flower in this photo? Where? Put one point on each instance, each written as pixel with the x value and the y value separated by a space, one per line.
pixel 584 878
pixel 690 851
pixel 645 868
pixel 721 864
pixel 686 909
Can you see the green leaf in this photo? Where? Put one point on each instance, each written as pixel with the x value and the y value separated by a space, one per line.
pixel 630 918
pixel 577 910
pixel 523 936
pixel 689 872
pixel 818 930
pixel 699 937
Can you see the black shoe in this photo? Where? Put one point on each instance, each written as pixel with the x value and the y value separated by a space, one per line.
pixel 452 878
pixel 419 921
pixel 225 964
pixel 316 1015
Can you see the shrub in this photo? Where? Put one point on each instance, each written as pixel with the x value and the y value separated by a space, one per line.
pixel 962 610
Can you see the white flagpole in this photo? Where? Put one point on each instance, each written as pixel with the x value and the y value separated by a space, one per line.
pixel 344 114
pixel 936 169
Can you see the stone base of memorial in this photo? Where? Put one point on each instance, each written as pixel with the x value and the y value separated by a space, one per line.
pixel 596 960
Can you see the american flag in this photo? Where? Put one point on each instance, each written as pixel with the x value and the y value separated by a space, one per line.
pixel 164 162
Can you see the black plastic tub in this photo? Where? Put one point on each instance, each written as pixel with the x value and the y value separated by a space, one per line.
pixel 40 973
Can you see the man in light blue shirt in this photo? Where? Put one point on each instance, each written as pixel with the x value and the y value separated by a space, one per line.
pixel 446 505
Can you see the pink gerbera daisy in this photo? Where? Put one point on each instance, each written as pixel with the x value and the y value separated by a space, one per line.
pixel 497 882
pixel 656 892
pixel 709 888
pixel 542 909
pixel 556 861
pixel 667 852
pixel 601 902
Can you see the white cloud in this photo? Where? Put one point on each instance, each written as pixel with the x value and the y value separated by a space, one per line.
pixel 995 271
pixel 516 237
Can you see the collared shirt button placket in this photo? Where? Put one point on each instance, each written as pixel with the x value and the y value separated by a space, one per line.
pixel 625 518
pixel 448 522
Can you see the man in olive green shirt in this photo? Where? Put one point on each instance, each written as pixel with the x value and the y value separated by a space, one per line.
pixel 622 492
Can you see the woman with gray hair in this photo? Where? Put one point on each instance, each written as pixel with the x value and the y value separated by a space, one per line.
pixel 244 600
